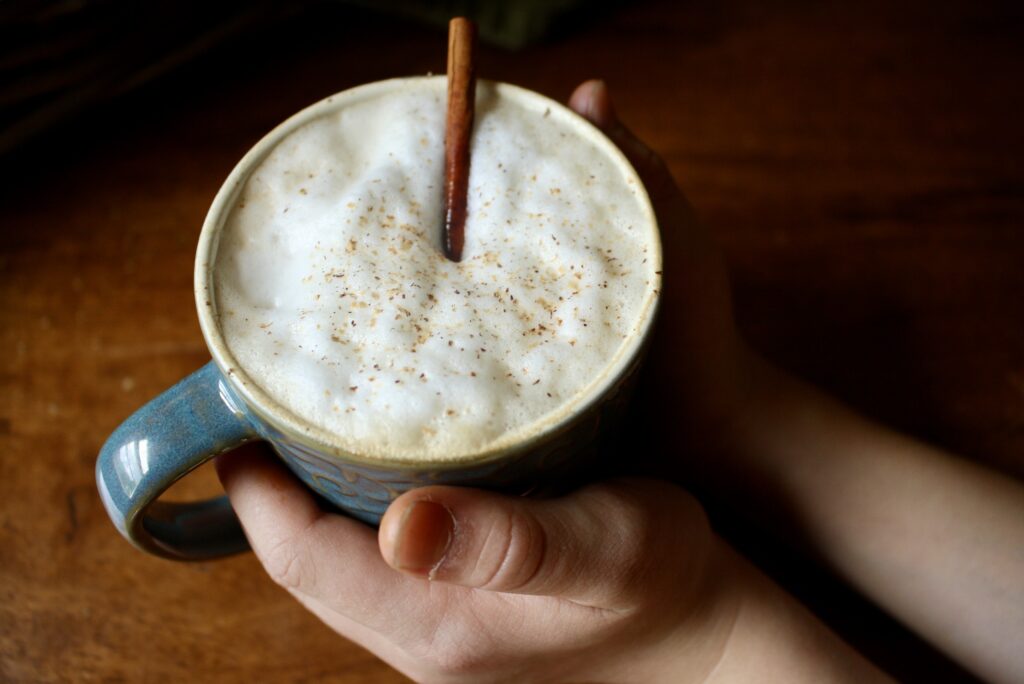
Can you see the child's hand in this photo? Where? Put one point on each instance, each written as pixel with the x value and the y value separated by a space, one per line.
pixel 617 582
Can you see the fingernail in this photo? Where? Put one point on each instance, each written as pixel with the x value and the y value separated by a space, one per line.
pixel 424 535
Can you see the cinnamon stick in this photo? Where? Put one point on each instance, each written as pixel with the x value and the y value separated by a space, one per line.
pixel 458 126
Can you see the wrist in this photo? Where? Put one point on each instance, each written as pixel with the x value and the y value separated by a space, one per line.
pixel 775 638
pixel 734 435
pixel 687 648
pixel 714 422
pixel 701 641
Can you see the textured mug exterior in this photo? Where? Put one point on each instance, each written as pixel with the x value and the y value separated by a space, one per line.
pixel 365 491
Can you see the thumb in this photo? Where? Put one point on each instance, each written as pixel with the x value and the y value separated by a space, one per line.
pixel 605 545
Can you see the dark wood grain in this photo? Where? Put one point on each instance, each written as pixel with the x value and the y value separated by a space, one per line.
pixel 860 164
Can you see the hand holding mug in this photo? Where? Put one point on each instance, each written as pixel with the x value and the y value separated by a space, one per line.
pixel 621 581
pixel 615 582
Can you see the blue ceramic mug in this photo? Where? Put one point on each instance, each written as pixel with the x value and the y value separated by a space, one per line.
pixel 218 408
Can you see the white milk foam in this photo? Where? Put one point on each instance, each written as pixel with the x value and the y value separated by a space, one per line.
pixel 334 296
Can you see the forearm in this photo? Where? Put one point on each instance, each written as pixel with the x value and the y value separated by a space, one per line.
pixel 936 540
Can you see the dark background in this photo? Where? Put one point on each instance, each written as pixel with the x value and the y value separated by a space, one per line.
pixel 859 163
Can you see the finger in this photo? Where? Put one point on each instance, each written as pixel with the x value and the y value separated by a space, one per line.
pixel 316 555
pixel 696 281
pixel 602 546
pixel 592 101
pixel 682 234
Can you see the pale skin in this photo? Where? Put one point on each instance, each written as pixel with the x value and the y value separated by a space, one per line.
pixel 625 581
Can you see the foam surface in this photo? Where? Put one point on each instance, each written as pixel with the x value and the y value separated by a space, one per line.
pixel 334 296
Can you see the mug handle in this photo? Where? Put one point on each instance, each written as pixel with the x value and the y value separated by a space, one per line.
pixel 173 434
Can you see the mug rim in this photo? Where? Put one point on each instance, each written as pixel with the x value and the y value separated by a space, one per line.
pixel 298 429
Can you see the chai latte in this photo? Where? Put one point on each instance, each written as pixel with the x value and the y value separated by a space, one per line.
pixel 334 299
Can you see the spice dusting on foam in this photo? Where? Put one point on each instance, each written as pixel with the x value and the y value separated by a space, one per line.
pixel 334 294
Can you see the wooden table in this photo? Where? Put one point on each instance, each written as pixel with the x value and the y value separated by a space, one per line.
pixel 860 165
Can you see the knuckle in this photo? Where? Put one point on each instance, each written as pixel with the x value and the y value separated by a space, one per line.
pixel 634 536
pixel 286 566
pixel 659 531
pixel 515 549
